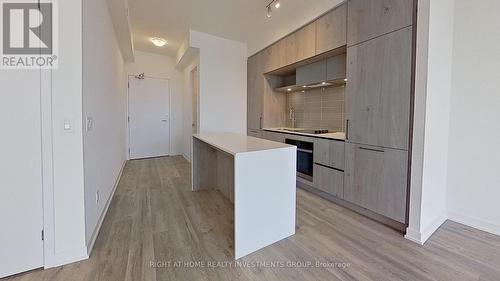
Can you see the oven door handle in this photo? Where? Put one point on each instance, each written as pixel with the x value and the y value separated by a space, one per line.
pixel 304 150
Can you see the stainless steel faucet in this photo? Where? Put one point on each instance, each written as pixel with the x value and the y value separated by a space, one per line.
pixel 292 116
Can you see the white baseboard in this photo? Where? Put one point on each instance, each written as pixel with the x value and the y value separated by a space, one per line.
pixel 475 223
pixel 414 236
pixel 63 258
pixel 90 246
pixel 421 237
pixel 185 157
pixel 429 230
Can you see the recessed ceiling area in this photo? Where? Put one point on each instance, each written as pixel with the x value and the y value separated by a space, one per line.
pixel 240 20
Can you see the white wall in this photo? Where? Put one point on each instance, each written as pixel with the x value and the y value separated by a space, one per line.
pixel 474 156
pixel 433 90
pixel 222 82
pixel 104 100
pixel 455 160
pixel 64 216
pixel 187 105
pixel 164 67
pixel 437 116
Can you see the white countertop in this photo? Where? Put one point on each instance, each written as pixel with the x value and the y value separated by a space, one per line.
pixel 235 143
pixel 333 136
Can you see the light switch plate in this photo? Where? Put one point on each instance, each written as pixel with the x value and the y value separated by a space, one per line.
pixel 67 126
pixel 90 123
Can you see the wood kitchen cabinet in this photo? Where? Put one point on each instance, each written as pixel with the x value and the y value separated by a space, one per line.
pixel 255 92
pixel 331 30
pixel 301 44
pixel 311 73
pixel 329 153
pixel 273 56
pixel 329 180
pixel 378 90
pixel 295 47
pixel 274 107
pixel 254 133
pixel 336 67
pixel 376 179
pixel 367 19
pixel 278 137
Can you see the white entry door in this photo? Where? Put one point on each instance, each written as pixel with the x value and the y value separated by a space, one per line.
pixel 21 213
pixel 149 113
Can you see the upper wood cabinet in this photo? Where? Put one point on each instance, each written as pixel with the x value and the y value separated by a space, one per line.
pixel 336 67
pixel 376 179
pixel 378 90
pixel 331 30
pixel 325 34
pixel 311 73
pixel 275 56
pixel 293 48
pixel 368 19
pixel 301 44
pixel 255 91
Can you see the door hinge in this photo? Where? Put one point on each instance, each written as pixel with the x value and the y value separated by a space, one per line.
pixel 43 235
pixel 128 118
pixel 128 85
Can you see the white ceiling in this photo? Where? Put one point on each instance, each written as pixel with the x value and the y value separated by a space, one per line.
pixel 240 20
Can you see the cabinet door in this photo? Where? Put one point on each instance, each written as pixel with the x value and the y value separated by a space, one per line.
pixel 254 133
pixel 255 92
pixel 311 73
pixel 329 180
pixel 301 44
pixel 276 55
pixel 329 153
pixel 378 90
pixel 331 30
pixel 273 136
pixel 336 67
pixel 376 179
pixel 368 19
pixel 274 104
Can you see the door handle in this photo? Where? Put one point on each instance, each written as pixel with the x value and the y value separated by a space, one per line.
pixel 164 120
pixel 347 129
pixel 371 149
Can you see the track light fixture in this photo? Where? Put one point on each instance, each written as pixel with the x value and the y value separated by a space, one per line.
pixel 275 3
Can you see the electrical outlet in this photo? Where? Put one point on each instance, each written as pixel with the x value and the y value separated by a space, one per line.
pixel 97 197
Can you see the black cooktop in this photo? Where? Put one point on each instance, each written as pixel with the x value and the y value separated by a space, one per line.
pixel 315 132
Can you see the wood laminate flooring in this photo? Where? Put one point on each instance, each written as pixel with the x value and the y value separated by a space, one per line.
pixel 157 229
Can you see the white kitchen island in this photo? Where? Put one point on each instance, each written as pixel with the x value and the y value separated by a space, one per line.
pixel 258 176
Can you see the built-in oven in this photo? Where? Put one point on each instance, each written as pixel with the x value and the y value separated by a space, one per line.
pixel 305 162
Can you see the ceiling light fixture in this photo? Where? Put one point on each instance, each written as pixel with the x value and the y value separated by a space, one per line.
pixel 158 42
pixel 270 9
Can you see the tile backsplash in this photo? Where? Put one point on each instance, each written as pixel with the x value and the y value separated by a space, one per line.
pixel 318 109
